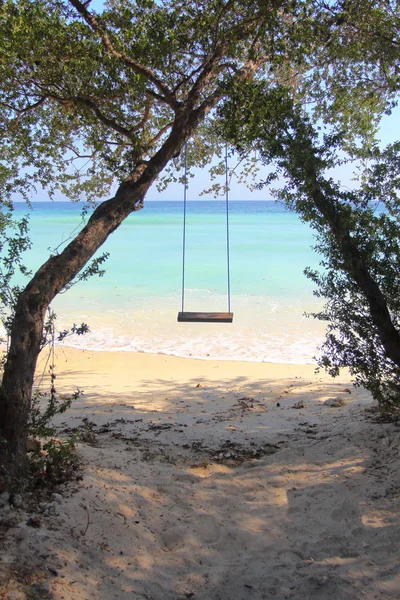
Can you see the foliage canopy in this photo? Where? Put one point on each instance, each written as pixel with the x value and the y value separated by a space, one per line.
pixel 357 232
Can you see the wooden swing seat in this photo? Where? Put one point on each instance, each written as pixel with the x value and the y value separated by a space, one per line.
pixel 205 317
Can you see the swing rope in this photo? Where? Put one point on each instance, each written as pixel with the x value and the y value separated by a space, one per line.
pixel 205 317
pixel 227 227
pixel 184 231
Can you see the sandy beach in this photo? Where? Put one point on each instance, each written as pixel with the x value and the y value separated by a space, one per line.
pixel 212 480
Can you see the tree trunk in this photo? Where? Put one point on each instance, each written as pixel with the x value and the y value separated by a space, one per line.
pixel 303 165
pixel 50 279
pixel 30 313
pixel 353 263
pixel 353 260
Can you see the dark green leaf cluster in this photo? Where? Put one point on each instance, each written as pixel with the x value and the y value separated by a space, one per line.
pixel 55 463
pixel 51 335
pixel 14 241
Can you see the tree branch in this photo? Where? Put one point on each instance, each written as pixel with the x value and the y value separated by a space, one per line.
pixel 159 135
pixel 146 115
pixel 166 94
pixel 112 123
pixel 103 118
pixel 24 111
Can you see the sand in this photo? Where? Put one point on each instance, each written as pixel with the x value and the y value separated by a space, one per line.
pixel 213 480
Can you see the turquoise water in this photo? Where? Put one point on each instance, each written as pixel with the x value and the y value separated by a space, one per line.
pixel 134 306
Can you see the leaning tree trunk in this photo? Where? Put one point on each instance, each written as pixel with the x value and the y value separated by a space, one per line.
pixel 50 279
pixel 30 313
pixel 354 264
pixel 303 166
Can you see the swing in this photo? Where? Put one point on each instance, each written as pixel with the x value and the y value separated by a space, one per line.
pixel 205 317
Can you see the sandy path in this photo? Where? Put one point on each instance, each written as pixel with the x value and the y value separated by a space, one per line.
pixel 201 480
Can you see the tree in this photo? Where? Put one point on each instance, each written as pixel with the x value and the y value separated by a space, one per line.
pixel 124 90
pixel 353 79
pixel 357 231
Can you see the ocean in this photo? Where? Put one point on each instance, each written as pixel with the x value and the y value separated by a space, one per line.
pixel 134 306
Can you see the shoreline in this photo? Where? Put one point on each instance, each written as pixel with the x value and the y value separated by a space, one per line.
pixel 278 335
pixel 135 368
